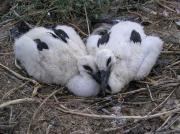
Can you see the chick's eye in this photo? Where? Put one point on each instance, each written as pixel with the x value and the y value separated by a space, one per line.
pixel 88 68
pixel 108 61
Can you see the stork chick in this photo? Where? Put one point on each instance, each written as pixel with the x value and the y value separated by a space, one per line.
pixel 50 55
pixel 122 53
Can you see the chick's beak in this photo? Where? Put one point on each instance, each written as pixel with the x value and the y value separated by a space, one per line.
pixel 104 79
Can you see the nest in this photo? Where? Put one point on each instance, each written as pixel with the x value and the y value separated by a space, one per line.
pixel 150 105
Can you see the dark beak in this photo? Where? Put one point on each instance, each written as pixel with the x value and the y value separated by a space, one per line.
pixel 97 77
pixel 104 79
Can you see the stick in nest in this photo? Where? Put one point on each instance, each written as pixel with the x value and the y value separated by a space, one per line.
pixel 40 106
pixel 111 117
pixel 87 19
pixel 18 75
pixel 160 128
pixel 159 3
pixel 171 52
pixel 17 15
pixel 13 90
pixel 78 29
pixel 150 94
pixel 37 85
pixel 17 65
pixel 18 101
pixel 162 103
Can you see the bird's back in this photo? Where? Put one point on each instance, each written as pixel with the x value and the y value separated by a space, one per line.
pixel 74 40
pixel 48 58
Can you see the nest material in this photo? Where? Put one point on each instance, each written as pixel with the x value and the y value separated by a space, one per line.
pixel 150 105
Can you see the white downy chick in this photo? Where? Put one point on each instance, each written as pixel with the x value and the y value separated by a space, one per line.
pixel 124 44
pixel 50 56
pixel 83 84
pixel 114 48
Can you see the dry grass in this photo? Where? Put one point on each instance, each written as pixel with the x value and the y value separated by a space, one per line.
pixel 150 105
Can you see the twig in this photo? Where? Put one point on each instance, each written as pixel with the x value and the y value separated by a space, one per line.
pixel 160 85
pixel 53 93
pixel 148 10
pixel 40 106
pixel 48 128
pixel 6 53
pixel 7 127
pixel 159 3
pixel 138 14
pixel 18 75
pixel 35 90
pixel 65 110
pixel 29 25
pixel 175 63
pixel 87 19
pixel 111 129
pixel 18 101
pixel 162 103
pixel 170 52
pixel 78 29
pixel 130 129
pixel 171 122
pixel 163 84
pixel 111 117
pixel 156 107
pixel 6 21
pixel 17 65
pixel 141 103
pixel 150 94
pixel 10 116
pixel 173 131
pixel 134 91
pixel 160 128
pixel 13 90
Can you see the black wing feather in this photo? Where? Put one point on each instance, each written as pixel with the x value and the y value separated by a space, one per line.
pixel 104 39
pixel 135 37
pixel 61 34
pixel 41 45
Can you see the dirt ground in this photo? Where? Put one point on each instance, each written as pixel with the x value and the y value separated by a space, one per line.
pixel 147 106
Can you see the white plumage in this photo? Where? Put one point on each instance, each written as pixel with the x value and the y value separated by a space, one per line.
pixel 58 56
pixel 132 54
pixel 50 56
pixel 151 48
pixel 83 84
pixel 119 37
pixel 91 44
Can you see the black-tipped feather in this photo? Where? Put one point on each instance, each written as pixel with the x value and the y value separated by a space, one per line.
pixel 135 37
pixel 108 61
pixel 41 45
pixel 61 34
pixel 104 39
pixel 54 35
